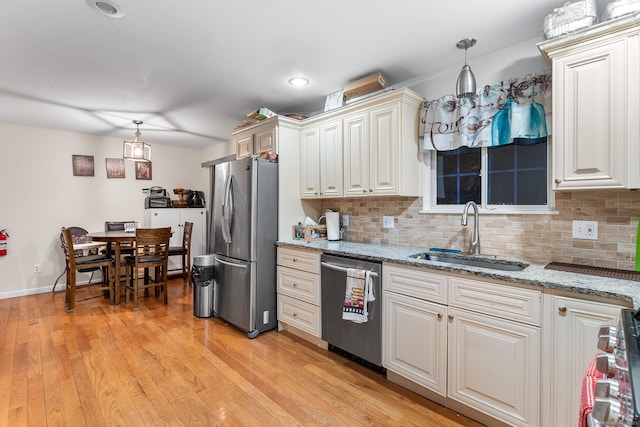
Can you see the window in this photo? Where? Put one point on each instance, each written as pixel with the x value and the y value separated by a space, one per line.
pixel 507 178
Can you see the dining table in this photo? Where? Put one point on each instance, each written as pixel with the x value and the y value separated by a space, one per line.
pixel 117 237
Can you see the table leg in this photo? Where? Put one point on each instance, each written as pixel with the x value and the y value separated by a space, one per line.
pixel 115 299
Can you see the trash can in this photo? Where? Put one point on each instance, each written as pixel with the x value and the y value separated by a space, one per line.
pixel 202 277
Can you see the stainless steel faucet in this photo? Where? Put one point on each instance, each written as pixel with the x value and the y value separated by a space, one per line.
pixel 474 244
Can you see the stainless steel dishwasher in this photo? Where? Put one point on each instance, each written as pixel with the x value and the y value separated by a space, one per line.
pixel 363 340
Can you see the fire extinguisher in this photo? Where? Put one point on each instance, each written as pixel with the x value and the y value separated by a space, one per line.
pixel 3 242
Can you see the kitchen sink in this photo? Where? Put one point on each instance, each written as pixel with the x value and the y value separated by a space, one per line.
pixel 493 264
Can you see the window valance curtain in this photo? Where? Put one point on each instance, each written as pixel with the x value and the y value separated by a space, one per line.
pixel 498 115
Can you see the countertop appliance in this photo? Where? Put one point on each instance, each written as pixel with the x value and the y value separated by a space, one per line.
pixel 244 233
pixel 156 198
pixel 616 395
pixel 362 340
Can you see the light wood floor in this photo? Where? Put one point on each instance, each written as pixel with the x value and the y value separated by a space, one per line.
pixel 106 365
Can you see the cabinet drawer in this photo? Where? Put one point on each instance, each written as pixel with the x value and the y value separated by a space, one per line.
pixel 299 259
pixel 299 284
pixel 415 282
pixel 508 302
pixel 299 314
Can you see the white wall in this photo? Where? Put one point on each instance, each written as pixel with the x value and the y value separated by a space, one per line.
pixel 40 195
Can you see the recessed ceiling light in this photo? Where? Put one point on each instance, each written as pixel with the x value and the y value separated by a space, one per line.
pixel 108 8
pixel 298 81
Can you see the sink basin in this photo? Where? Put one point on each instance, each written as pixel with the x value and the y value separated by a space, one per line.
pixel 493 264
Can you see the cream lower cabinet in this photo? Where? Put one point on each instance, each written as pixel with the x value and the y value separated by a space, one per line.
pixel 474 343
pixel 571 334
pixel 298 287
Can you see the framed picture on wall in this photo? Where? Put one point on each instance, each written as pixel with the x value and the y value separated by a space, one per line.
pixel 82 165
pixel 115 168
pixel 143 170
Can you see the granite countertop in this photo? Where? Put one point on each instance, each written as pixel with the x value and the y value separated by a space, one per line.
pixel 534 274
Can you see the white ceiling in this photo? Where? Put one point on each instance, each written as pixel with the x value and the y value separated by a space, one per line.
pixel 191 70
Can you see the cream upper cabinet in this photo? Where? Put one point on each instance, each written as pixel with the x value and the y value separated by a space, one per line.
pixel 384 155
pixel 380 146
pixel 310 162
pixel 260 137
pixel 596 101
pixel 331 158
pixel 571 329
pixel 244 145
pixel 356 154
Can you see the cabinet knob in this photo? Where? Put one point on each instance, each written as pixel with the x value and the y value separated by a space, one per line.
pixel 295 259
pixel 439 315
pixel 557 181
pixel 295 314
pixel 562 309
pixel 450 317
pixel 294 284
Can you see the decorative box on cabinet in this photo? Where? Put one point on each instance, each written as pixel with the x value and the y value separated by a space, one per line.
pixel 596 102
pixel 453 336
pixel 175 218
pixel 379 140
pixel 299 293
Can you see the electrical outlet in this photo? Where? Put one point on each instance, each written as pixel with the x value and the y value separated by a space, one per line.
pixel 36 268
pixel 387 222
pixel 585 230
pixel 345 220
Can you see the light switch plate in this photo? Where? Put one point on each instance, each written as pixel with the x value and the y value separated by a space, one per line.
pixel 587 230
pixel 345 220
pixel 387 222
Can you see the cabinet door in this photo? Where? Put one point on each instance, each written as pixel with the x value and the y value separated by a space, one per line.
pixel 494 367
pixel 590 117
pixel 331 159
pixel 571 326
pixel 415 340
pixel 244 146
pixel 265 140
pixel 356 155
pixel 310 163
pixel 385 150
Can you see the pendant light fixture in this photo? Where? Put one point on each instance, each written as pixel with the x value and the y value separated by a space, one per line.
pixel 137 149
pixel 466 84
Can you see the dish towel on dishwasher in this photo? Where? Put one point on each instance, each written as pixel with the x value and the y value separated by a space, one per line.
pixel 358 293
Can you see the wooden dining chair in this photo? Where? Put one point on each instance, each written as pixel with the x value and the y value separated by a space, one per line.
pixel 151 250
pixel 125 248
pixel 184 250
pixel 78 263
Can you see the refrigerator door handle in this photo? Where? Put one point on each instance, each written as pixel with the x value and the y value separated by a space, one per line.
pixel 227 210
pixel 230 264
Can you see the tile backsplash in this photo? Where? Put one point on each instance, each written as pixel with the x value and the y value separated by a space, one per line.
pixel 536 238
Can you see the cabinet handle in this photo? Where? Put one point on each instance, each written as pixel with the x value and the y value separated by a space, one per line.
pixel 439 315
pixel 295 259
pixel 557 181
pixel 562 309
pixel 294 284
pixel 295 314
pixel 450 317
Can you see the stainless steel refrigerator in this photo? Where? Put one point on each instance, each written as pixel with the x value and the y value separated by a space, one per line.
pixel 244 233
